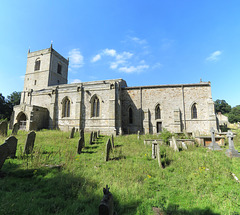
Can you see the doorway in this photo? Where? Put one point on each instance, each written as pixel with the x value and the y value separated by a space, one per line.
pixel 159 127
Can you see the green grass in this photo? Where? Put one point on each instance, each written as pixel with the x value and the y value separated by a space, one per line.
pixel 196 181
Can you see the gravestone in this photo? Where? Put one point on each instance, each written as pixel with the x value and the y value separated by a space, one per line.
pixel 213 145
pixel 98 133
pixel 106 206
pixel 154 144
pixel 108 149
pixel 138 135
pixel 184 146
pixel 112 141
pixel 30 142
pixel 72 133
pixel 3 128
pixel 8 149
pixel 15 129
pixel 82 136
pixel 80 145
pixel 174 144
pixel 159 156
pixel 231 152
pixel 90 139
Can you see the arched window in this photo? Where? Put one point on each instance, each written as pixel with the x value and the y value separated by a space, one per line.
pixel 157 112
pixel 194 111
pixel 95 107
pixel 59 68
pixel 130 115
pixel 37 64
pixel 66 107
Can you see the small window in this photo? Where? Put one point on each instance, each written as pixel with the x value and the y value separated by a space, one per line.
pixel 157 112
pixel 130 115
pixel 37 65
pixel 194 111
pixel 59 69
pixel 35 82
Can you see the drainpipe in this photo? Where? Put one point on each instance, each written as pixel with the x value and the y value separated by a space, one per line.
pixel 184 113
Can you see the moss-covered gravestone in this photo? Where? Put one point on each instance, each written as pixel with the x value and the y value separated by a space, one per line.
pixel 3 128
pixel 30 142
pixel 108 149
pixel 15 129
pixel 82 136
pixel 72 133
pixel 213 145
pixel 80 145
pixel 90 139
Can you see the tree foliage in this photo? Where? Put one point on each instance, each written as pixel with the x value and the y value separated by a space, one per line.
pixel 222 106
pixel 234 115
pixel 6 105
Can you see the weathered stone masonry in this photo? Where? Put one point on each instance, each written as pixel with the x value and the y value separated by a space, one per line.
pixel 47 101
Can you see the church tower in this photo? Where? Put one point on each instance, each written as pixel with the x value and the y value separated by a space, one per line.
pixel 45 68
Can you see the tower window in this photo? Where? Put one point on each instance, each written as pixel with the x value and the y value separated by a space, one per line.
pixel 37 64
pixel 35 82
pixel 194 111
pixel 59 69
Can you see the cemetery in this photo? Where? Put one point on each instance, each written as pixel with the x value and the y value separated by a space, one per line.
pixel 75 172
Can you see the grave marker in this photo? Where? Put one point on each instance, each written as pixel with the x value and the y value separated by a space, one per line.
pixel 108 148
pixel 231 152
pixel 106 206
pixel 15 129
pixel 112 141
pixel 82 136
pixel 213 145
pixel 154 143
pixel 159 156
pixel 3 128
pixel 72 133
pixel 30 143
pixel 174 144
pixel 90 139
pixel 80 145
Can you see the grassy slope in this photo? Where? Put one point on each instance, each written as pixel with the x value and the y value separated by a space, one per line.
pixel 196 181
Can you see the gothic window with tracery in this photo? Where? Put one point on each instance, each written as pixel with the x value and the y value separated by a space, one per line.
pixel 157 112
pixel 66 107
pixel 95 107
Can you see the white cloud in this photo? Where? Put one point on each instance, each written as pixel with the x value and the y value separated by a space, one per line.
pixel 138 40
pixel 110 52
pixel 96 58
pixel 132 69
pixel 157 66
pixel 214 56
pixel 76 81
pixel 76 58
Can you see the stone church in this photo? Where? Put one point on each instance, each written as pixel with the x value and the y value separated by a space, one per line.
pixel 48 101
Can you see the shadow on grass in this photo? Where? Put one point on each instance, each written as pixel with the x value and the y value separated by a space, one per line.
pixel 88 152
pixel 51 191
pixel 174 209
pixel 93 147
pixel 117 146
pixel 118 158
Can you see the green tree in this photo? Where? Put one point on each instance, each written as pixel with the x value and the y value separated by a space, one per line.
pixel 14 99
pixel 222 106
pixel 234 115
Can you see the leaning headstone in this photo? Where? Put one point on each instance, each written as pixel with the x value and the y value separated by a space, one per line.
pixel 159 156
pixel 174 144
pixel 106 206
pixel 90 139
pixel 231 152
pixel 108 149
pixel 8 149
pixel 15 129
pixel 213 145
pixel 112 141
pixel 30 143
pixel 72 133
pixel 80 145
pixel 3 128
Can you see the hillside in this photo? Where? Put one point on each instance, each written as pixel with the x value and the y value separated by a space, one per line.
pixel 56 180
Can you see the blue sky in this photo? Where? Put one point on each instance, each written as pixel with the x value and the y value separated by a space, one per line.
pixel 151 42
